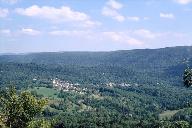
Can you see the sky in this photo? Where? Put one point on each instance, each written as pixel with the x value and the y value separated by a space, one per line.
pixel 93 25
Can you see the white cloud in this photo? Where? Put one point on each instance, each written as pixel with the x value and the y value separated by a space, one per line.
pixel 122 37
pixel 136 37
pixel 5 32
pixel 146 18
pixel 61 14
pixel 183 1
pixel 20 32
pixel 3 12
pixel 118 37
pixel 111 10
pixel 57 15
pixel 30 31
pixel 82 34
pixel 113 14
pixel 167 15
pixel 145 33
pixel 114 4
pixel 134 18
pixel 68 33
pixel 143 37
pixel 9 1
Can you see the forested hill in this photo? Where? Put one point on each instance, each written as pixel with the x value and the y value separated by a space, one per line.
pixel 145 66
pixel 118 88
pixel 163 57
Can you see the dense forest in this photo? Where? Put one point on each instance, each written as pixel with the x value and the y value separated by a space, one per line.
pixel 130 88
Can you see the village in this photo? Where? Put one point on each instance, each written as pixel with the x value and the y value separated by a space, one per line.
pixel 66 86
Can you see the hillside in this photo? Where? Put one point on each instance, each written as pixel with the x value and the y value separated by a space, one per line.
pixel 148 66
pixel 132 85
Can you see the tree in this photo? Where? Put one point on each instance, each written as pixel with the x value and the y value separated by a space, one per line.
pixel 182 124
pixel 40 123
pixel 187 77
pixel 19 109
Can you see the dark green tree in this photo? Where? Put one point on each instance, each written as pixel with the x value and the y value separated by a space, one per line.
pixel 19 109
pixel 187 77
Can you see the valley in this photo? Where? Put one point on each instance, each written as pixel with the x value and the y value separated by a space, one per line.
pixel 118 88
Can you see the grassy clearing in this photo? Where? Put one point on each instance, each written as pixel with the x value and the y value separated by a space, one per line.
pixel 46 92
pixel 167 114
pixel 95 96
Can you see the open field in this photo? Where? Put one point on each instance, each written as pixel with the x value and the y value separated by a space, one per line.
pixel 168 114
pixel 46 92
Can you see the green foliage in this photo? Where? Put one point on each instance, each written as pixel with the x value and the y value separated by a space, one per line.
pixel 19 109
pixel 153 77
pixel 187 77
pixel 40 123
pixel 150 66
pixel 174 124
pixel 182 124
pixel 2 122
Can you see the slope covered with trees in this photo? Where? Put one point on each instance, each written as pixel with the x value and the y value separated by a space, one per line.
pixel 123 88
pixel 149 66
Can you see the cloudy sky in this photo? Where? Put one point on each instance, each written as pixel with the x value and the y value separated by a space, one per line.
pixel 93 25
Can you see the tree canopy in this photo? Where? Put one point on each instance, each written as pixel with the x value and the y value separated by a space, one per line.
pixel 19 109
pixel 187 77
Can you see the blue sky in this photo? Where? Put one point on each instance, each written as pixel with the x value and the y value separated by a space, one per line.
pixel 88 25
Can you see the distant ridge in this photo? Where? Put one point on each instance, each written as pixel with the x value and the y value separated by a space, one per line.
pixel 149 65
pixel 26 53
